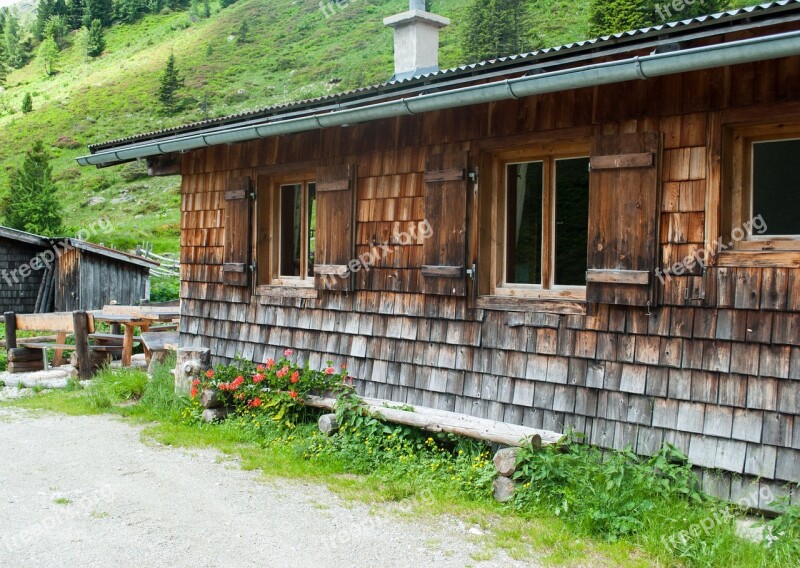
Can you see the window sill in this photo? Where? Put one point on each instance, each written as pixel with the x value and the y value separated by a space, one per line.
pixel 552 305
pixel 758 259
pixel 288 291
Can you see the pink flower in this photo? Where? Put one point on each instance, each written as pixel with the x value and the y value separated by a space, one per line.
pixel 195 382
pixel 270 363
pixel 295 377
pixel 288 352
pixel 193 392
pixel 292 394
pixel 330 371
pixel 283 372
pixel 261 368
pixel 257 378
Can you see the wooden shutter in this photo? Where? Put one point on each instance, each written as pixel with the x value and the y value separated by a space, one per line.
pixel 444 251
pixel 236 264
pixel 624 210
pixel 334 231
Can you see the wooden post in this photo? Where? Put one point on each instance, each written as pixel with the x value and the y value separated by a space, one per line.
pixel 191 363
pixel 328 424
pixel 80 320
pixel 11 330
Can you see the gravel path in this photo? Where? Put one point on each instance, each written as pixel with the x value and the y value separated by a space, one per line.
pixel 85 491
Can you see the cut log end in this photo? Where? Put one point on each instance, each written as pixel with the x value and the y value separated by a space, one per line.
pixel 504 489
pixel 209 399
pixel 215 414
pixel 505 461
pixel 328 424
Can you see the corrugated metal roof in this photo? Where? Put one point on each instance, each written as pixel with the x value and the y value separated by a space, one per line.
pixel 509 64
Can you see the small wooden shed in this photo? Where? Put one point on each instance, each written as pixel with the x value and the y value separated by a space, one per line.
pixel 602 237
pixel 40 274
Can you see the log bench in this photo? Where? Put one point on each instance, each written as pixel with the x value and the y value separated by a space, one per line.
pixel 23 355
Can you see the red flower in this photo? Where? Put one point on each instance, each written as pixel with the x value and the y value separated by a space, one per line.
pixel 261 368
pixel 193 392
pixel 288 352
pixel 257 378
pixel 270 363
pixel 195 382
pixel 292 394
pixel 295 377
pixel 236 383
pixel 223 386
pixel 210 373
pixel 282 373
pixel 255 403
pixel 330 371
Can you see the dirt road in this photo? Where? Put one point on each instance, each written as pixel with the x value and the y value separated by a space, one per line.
pixel 85 491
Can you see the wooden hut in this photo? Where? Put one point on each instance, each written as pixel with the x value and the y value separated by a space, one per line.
pixel 39 274
pixel 602 237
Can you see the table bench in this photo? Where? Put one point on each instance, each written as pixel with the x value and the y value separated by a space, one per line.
pixel 78 324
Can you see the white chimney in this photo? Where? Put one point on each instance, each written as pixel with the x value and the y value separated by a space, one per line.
pixel 416 40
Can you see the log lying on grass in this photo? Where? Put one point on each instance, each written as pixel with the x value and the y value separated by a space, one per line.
pixel 433 420
pixel 209 399
pixel 24 354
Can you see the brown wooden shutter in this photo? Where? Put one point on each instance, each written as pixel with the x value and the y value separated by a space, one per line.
pixel 236 264
pixel 334 231
pixel 624 203
pixel 444 251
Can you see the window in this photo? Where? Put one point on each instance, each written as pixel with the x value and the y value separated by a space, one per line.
pixel 545 212
pixel 763 193
pixel 287 215
pixel 297 222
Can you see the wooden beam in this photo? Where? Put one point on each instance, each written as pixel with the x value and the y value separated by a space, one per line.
pixel 60 321
pixel 432 420
pixel 443 271
pixel 450 174
pixel 11 330
pixel 644 160
pixel 168 165
pixel 641 277
pixel 334 185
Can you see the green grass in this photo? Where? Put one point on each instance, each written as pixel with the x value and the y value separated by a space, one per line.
pixel 62 501
pixel 416 476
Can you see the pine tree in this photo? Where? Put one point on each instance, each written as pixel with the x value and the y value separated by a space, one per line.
pixel 14 54
pixel 32 204
pixel 27 103
pixel 48 56
pixel 494 28
pixel 75 14
pixel 102 10
pixel 206 9
pixel 56 28
pixel 95 39
pixel 43 12
pixel 171 83
pixel 613 16
pixel 241 37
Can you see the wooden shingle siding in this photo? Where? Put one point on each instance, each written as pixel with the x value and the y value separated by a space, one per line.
pixel 714 370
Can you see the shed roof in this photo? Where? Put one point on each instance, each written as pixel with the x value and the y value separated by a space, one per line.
pixel 571 55
pixel 45 242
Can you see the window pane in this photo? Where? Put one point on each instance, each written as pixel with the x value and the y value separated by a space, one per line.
pixel 524 223
pixel 776 186
pixel 312 226
pixel 290 230
pixel 572 221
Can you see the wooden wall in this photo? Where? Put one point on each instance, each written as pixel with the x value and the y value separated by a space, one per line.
pixel 715 370
pixel 89 281
pixel 18 296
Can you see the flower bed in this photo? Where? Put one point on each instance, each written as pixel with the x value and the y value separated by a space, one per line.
pixel 276 388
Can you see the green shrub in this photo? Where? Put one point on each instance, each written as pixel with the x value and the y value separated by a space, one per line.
pixel 164 289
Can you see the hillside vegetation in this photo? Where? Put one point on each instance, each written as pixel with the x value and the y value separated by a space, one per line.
pixel 292 51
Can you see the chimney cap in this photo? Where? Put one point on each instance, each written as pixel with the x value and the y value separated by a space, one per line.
pixel 414 16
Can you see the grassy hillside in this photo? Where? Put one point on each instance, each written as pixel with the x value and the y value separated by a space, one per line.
pixel 293 52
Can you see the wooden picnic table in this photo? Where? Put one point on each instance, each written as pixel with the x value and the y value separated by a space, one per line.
pixel 132 318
